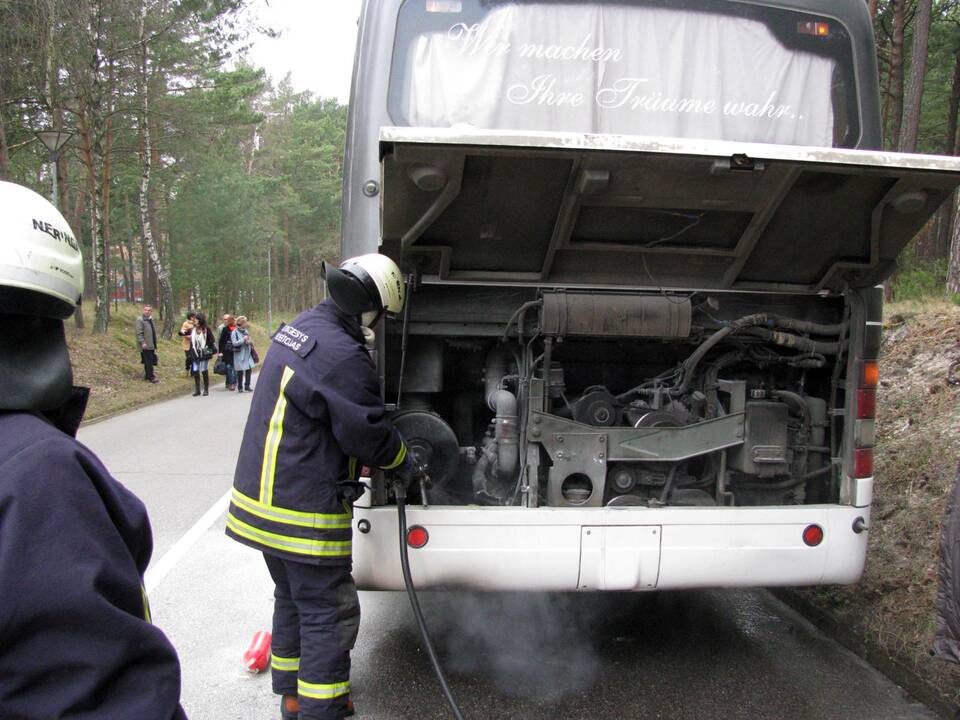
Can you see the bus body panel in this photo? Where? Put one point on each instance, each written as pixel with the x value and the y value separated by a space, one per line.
pixel 635 549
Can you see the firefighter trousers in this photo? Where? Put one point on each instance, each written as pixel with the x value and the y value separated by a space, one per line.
pixel 316 617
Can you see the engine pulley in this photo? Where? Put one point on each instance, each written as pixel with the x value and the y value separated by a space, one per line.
pixel 596 407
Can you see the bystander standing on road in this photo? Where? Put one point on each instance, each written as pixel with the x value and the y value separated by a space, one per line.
pixel 243 354
pixel 225 348
pixel 76 638
pixel 203 346
pixel 147 341
pixel 185 329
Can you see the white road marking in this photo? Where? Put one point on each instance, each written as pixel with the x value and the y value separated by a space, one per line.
pixel 156 573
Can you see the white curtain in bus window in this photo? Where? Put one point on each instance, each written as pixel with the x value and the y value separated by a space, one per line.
pixel 619 69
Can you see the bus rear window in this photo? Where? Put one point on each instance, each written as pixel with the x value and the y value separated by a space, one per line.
pixel 693 69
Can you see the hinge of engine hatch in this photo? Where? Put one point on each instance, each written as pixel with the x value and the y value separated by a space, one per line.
pixel 736 163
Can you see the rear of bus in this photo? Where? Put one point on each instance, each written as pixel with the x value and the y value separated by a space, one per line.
pixel 642 242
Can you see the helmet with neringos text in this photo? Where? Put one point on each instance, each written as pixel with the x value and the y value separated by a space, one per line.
pixel 41 266
pixel 366 283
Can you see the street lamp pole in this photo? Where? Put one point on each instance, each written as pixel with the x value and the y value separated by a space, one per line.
pixel 53 141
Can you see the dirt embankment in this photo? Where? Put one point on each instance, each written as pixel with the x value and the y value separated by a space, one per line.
pixel 109 364
pixel 918 444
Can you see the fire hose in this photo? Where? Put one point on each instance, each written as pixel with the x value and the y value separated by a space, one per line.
pixel 400 491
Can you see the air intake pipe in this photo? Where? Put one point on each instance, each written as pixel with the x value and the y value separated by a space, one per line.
pixel 504 404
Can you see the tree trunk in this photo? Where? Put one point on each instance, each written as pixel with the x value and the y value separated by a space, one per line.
pixel 105 194
pixel 287 295
pixel 872 6
pixel 4 152
pixel 910 126
pixel 162 272
pixel 895 90
pixel 89 134
pixel 953 274
pixel 945 213
pixel 147 283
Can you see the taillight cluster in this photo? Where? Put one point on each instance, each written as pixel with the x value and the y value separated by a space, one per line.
pixel 865 428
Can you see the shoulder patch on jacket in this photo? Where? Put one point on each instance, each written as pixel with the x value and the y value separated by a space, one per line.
pixel 298 341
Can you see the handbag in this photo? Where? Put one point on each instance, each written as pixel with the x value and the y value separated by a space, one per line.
pixel 220 368
pixel 254 355
pixel 207 353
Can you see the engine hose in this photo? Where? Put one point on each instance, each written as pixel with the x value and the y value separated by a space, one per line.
pixel 668 484
pixel 785 484
pixel 690 364
pixel 806 326
pixel 796 341
pixel 401 494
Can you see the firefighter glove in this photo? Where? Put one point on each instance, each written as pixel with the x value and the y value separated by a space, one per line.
pixel 408 469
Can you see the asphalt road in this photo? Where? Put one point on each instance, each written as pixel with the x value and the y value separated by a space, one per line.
pixel 694 655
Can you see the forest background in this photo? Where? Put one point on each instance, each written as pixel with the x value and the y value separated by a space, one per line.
pixel 192 180
pixel 189 177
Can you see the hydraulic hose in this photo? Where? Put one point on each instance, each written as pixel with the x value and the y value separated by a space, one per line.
pixel 401 494
pixel 796 341
pixel 690 364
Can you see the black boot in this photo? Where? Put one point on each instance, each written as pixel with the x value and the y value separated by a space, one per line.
pixel 206 382
pixel 196 384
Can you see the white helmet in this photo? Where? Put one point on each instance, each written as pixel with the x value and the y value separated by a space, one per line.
pixel 41 266
pixel 366 283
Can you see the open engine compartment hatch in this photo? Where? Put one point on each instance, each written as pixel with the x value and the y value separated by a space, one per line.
pixel 636 212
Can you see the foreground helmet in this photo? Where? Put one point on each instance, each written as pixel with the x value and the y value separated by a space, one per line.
pixel 366 284
pixel 41 267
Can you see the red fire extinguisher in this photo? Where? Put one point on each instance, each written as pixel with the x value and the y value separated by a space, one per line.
pixel 257 656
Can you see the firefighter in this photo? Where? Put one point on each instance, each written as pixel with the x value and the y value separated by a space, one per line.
pixel 75 632
pixel 315 418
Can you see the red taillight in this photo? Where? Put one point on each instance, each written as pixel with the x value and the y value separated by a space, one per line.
pixel 417 536
pixel 863 462
pixel 812 535
pixel 866 404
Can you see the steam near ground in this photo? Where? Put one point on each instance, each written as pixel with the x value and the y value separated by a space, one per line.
pixel 549 647
pixel 520 641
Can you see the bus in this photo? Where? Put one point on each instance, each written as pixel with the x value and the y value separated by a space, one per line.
pixel 642 242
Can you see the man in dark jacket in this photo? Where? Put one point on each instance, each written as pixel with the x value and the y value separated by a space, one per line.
pixel 316 417
pixel 146 333
pixel 75 633
pixel 946 644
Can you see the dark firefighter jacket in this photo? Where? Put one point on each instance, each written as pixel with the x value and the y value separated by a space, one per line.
pixel 316 417
pixel 75 633
pixel 946 644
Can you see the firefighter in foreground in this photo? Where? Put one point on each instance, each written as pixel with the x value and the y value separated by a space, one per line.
pixel 75 632
pixel 316 417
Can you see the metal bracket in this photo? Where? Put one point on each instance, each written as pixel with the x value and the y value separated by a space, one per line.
pixel 581 452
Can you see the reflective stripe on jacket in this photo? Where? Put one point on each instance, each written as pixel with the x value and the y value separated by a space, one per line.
pixel 316 416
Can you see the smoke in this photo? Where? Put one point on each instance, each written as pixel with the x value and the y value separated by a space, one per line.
pixel 542 647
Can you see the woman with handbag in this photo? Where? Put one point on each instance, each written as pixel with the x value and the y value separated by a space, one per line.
pixel 225 348
pixel 242 354
pixel 202 348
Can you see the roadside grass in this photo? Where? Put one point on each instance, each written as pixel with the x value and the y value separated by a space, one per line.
pixel 109 364
pixel 918 445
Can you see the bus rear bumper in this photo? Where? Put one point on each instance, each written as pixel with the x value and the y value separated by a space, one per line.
pixel 617 549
